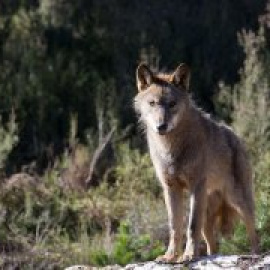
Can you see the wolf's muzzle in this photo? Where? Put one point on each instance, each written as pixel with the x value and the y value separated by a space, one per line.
pixel 162 128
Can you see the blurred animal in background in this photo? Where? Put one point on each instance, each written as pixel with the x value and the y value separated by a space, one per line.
pixel 87 169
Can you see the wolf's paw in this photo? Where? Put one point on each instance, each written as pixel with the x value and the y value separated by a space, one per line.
pixel 167 258
pixel 187 256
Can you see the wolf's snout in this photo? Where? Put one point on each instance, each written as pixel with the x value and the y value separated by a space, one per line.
pixel 162 128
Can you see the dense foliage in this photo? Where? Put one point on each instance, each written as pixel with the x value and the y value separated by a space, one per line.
pixel 67 81
pixel 58 57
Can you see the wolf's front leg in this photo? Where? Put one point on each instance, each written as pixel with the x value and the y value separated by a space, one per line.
pixel 174 203
pixel 195 222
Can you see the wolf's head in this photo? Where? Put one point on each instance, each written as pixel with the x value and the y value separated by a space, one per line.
pixel 162 99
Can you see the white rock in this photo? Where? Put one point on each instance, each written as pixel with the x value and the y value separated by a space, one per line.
pixel 148 266
pixel 216 262
pixel 78 267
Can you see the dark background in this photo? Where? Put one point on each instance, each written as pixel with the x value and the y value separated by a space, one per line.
pixel 64 58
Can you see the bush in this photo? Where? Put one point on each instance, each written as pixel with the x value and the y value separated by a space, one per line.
pixel 247 103
pixel 128 248
pixel 9 138
pixel 39 216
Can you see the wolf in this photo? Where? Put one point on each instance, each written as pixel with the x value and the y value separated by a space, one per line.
pixel 191 152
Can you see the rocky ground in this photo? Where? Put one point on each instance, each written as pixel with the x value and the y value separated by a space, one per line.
pixel 206 263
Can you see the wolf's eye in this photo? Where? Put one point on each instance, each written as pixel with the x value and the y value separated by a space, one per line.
pixel 172 104
pixel 152 103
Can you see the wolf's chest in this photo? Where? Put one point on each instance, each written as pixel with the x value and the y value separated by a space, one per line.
pixel 168 168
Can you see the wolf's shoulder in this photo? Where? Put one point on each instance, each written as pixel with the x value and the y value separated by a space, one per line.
pixel 215 125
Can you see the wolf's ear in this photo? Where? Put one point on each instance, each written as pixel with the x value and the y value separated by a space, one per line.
pixel 144 77
pixel 181 76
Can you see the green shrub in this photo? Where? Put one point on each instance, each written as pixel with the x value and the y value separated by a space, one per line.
pixel 42 216
pixel 8 137
pixel 127 248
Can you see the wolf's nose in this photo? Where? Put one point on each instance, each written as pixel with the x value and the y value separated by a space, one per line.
pixel 162 128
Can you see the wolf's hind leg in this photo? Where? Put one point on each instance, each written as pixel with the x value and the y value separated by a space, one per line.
pixel 214 203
